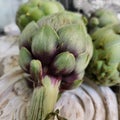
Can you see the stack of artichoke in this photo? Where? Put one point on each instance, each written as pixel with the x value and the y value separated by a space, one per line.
pixel 33 10
pixel 55 50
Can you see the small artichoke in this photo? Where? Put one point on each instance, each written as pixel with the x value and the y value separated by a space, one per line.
pixel 62 46
pixel 33 10
pixel 101 18
pixel 104 67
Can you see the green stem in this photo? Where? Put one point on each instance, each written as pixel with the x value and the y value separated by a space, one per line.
pixel 43 99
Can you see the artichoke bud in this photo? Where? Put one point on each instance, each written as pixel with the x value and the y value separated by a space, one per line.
pixel 106 57
pixel 34 10
pixel 44 44
pixel 75 43
pixel 25 58
pixel 26 35
pixel 36 71
pixel 106 17
pixel 64 63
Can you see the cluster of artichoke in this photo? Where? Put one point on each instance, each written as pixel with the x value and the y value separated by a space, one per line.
pixel 59 46
pixel 33 10
pixel 56 49
pixel 66 56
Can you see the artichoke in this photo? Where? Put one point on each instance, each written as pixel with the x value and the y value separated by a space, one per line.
pixel 33 10
pixel 101 18
pixel 60 54
pixel 54 52
pixel 104 67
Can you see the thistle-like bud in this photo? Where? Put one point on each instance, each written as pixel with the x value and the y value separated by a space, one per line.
pixel 61 54
pixel 33 10
pixel 57 47
pixel 104 66
pixel 101 18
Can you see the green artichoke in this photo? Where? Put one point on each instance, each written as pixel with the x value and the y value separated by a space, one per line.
pixel 54 52
pixel 104 67
pixel 61 44
pixel 33 10
pixel 101 18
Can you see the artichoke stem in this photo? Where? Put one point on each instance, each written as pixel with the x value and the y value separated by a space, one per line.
pixel 44 99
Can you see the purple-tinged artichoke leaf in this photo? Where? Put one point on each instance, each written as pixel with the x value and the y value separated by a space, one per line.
pixel 44 44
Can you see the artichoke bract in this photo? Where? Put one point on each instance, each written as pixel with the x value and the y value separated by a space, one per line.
pixel 62 45
pixel 33 10
pixel 104 67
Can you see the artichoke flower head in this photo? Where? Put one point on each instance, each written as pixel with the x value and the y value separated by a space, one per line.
pixel 54 52
pixel 62 46
pixel 34 10
pixel 104 67
pixel 101 18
